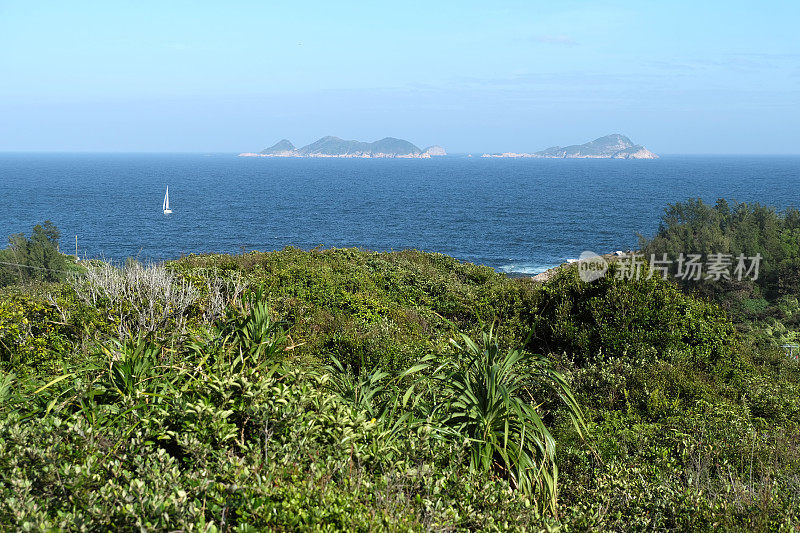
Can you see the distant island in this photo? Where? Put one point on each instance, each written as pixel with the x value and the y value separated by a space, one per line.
pixel 614 146
pixel 329 146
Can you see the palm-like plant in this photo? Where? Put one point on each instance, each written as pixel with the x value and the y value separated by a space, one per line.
pixel 130 364
pixel 484 400
pixel 253 333
pixel 380 396
pixel 362 390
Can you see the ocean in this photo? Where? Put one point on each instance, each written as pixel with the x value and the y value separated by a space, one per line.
pixel 519 216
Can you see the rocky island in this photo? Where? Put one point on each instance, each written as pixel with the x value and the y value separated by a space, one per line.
pixel 614 146
pixel 388 147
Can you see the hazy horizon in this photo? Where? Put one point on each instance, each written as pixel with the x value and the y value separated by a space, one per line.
pixel 449 154
pixel 681 78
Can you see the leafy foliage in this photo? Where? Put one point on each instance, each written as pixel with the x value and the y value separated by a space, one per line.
pixel 615 317
pixel 746 229
pixel 251 331
pixel 320 391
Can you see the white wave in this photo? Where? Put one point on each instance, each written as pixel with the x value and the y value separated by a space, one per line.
pixel 526 268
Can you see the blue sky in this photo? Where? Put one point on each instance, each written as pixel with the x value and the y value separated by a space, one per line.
pixel 676 76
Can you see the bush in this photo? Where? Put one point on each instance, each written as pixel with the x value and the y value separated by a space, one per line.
pixel 612 317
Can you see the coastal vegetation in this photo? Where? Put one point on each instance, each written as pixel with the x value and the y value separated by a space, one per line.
pixel 343 389
pixel 764 303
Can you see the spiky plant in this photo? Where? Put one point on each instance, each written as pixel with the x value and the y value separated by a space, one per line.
pixel 382 398
pixel 131 364
pixel 251 332
pixel 362 390
pixel 484 400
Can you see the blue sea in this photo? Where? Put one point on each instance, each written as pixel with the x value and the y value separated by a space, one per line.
pixel 517 216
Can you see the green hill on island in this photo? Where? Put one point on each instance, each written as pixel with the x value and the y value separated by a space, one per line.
pixel 335 147
pixel 614 146
pixel 284 146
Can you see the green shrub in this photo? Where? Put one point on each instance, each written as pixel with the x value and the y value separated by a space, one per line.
pixel 613 317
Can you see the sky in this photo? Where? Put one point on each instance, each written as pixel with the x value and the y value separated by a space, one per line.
pixel 195 76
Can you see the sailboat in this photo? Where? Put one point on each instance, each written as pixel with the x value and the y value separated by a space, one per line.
pixel 167 210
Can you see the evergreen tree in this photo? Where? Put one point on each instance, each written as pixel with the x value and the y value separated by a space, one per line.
pixel 32 259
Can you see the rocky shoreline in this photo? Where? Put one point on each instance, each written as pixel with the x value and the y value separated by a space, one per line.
pixel 550 273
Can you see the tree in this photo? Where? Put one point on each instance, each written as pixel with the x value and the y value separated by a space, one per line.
pixel 733 229
pixel 36 258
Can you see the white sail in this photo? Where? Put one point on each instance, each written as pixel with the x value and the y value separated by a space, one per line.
pixel 167 210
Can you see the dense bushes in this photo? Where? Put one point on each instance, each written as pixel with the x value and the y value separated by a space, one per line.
pixel 320 390
pixel 612 317
pixel 220 430
pixel 373 309
pixel 755 305
pixel 31 332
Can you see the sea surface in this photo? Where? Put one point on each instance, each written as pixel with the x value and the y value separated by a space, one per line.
pixel 518 216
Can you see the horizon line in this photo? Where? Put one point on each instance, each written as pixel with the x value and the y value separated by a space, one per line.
pixel 449 154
